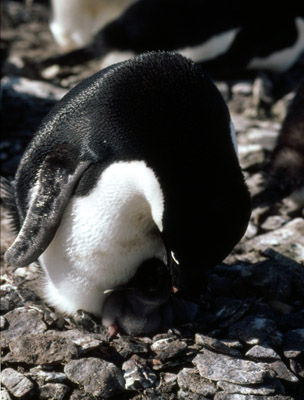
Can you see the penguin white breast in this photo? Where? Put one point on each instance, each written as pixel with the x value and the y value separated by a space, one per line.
pixel 104 237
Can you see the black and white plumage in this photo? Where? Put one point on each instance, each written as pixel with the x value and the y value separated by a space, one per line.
pixel 226 37
pixel 134 163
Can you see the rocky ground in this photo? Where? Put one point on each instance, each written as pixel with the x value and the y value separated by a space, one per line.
pixel 248 341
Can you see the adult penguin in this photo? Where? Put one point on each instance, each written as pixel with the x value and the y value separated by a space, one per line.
pixel 134 164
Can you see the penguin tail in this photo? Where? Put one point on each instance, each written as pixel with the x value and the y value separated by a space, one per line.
pixel 7 198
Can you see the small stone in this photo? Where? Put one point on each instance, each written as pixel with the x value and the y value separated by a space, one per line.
pixel 243 88
pixel 4 395
pixel 168 348
pixel 252 329
pixel 217 367
pixel 287 240
pixel 47 348
pixel 236 396
pixel 3 322
pixel 273 222
pixel 251 156
pixel 189 380
pixel 10 298
pixel 29 272
pixel 97 377
pixel 183 395
pixel 280 306
pixel 81 395
pixel 215 344
pixel 293 343
pixel 22 321
pixel 262 352
pixel 137 376
pixel 41 376
pixel 167 381
pixel 53 391
pixel 17 384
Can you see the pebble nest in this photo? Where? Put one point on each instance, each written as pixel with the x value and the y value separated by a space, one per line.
pixel 248 341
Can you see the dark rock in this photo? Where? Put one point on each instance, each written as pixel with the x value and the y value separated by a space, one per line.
pixel 97 377
pixel 53 391
pixel 293 343
pixel 189 380
pixel 217 367
pixel 231 310
pixel 297 367
pixel 16 383
pixel 216 345
pixel 45 348
pixel 252 329
pixel 22 321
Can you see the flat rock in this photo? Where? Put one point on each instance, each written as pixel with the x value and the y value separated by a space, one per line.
pixel 252 329
pixel 137 375
pixel 189 380
pixel 97 377
pixel 83 340
pixel 16 383
pixel 215 344
pixel 22 321
pixel 45 348
pixel 261 390
pixel 217 367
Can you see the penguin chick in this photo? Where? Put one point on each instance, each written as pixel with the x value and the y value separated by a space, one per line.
pixel 146 305
pixel 134 163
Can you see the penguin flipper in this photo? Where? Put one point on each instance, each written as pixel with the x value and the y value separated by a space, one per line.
pixel 57 178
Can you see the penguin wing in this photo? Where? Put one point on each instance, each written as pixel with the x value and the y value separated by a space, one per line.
pixel 57 177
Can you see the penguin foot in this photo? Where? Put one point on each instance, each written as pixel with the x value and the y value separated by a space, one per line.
pixel 112 331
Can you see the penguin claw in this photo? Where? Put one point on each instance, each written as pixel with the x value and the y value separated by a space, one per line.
pixel 112 331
